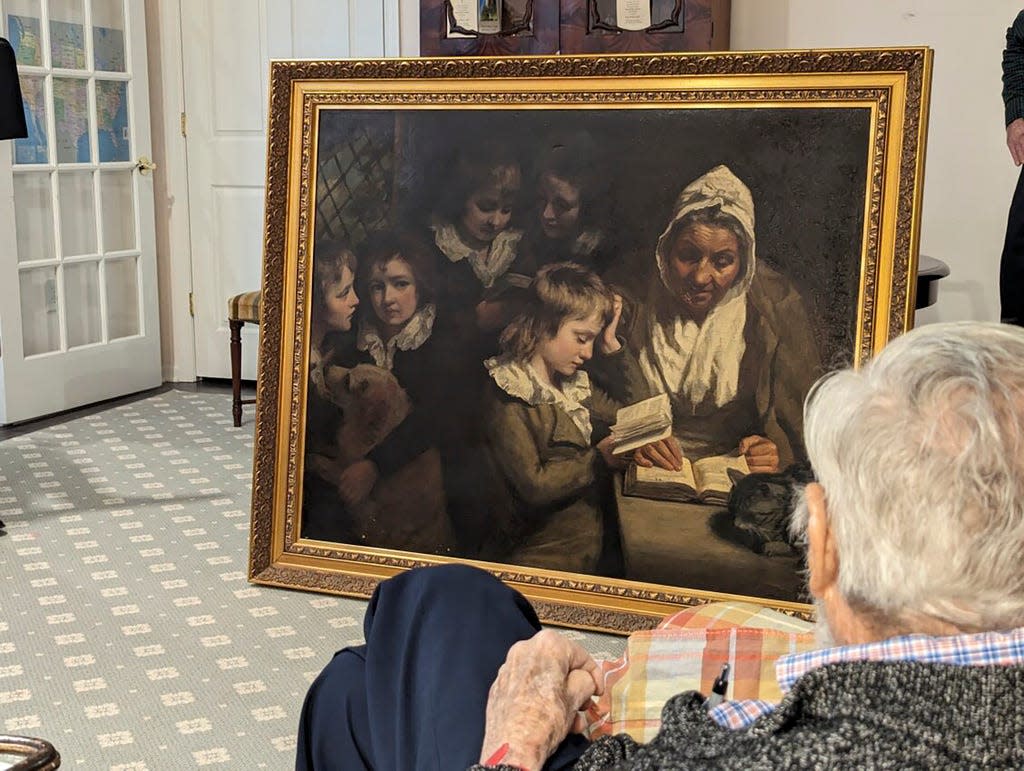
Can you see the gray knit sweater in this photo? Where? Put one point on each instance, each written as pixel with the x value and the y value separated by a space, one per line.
pixel 862 715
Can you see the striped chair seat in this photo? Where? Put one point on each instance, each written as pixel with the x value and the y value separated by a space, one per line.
pixel 245 307
pixel 242 309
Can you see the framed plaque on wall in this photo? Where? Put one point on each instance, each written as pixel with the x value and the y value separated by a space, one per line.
pixel 637 26
pixel 488 27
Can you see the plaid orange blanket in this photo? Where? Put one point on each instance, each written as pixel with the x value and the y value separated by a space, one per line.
pixel 686 652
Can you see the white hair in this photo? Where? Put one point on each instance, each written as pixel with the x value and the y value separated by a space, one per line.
pixel 921 458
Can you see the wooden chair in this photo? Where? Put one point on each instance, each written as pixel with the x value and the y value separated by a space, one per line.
pixel 242 308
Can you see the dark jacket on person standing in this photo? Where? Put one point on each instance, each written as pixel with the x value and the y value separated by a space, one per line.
pixel 12 112
pixel 1011 264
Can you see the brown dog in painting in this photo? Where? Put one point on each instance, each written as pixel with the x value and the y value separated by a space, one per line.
pixel 406 509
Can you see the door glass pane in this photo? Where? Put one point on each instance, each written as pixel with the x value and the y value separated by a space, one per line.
pixel 108 35
pixel 71 116
pixel 33 216
pixel 122 297
pixel 118 210
pixel 82 303
pixel 40 326
pixel 24 31
pixel 77 213
pixel 32 149
pixel 67 34
pixel 112 120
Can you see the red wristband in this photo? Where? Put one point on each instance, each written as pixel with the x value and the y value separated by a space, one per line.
pixel 498 755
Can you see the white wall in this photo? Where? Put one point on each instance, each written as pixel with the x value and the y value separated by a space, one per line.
pixel 969 176
pixel 293 28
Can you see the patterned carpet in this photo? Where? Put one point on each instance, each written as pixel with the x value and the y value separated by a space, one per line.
pixel 129 636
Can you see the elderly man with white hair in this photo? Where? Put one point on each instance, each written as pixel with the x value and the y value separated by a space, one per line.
pixel 915 553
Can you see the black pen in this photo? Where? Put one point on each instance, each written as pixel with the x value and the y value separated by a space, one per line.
pixel 718 689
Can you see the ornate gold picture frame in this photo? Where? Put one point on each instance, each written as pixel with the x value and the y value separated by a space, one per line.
pixel 818 155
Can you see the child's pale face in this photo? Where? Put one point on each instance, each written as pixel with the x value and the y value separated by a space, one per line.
pixel 393 292
pixel 488 212
pixel 559 206
pixel 341 302
pixel 571 347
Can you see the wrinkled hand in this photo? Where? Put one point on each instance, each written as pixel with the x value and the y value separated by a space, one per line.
pixel 535 700
pixel 356 482
pixel 1015 140
pixel 612 461
pixel 609 342
pixel 665 453
pixel 761 453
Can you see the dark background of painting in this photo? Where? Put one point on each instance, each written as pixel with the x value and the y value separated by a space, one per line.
pixel 806 169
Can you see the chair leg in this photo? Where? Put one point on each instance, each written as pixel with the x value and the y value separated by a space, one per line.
pixel 236 371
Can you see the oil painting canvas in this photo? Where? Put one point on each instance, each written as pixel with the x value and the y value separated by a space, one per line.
pixel 559 318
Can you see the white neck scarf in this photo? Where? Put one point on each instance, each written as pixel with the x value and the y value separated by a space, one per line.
pixel 691 360
pixel 488 263
pixel 414 334
pixel 679 356
pixel 522 381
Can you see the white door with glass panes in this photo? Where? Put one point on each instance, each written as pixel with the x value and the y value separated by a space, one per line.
pixel 78 299
pixel 226 51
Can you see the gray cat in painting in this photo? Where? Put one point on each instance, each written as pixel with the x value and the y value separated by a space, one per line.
pixel 761 504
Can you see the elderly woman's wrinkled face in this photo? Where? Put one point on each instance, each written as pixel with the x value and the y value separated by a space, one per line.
pixel 702 264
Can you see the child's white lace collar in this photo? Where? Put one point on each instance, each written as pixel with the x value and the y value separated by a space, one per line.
pixel 488 263
pixel 520 380
pixel 414 334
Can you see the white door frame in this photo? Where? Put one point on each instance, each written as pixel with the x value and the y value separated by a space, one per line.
pixel 170 192
pixel 174 254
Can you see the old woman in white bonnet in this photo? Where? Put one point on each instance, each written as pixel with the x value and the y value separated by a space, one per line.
pixel 726 336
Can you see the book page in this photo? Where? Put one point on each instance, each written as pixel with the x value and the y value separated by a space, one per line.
pixel 712 473
pixel 632 444
pixel 642 423
pixel 655 475
pixel 646 410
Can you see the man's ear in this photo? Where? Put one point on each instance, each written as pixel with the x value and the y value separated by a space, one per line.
pixel 822 559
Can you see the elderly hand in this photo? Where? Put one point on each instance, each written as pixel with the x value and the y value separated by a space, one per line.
pixel 357 481
pixel 665 453
pixel 1015 140
pixel 761 453
pixel 535 700
pixel 609 337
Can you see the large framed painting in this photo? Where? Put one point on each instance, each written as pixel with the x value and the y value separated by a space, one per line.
pixel 557 317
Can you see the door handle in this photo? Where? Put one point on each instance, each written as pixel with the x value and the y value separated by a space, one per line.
pixel 145 165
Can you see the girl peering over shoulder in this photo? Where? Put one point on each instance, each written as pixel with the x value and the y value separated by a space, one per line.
pixel 473 227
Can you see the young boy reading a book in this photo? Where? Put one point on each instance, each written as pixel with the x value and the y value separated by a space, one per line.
pixel 545 449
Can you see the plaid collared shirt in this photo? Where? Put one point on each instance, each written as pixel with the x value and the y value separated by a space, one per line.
pixel 1013 70
pixel 986 648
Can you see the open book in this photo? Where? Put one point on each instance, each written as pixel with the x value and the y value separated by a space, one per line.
pixel 706 480
pixel 642 423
